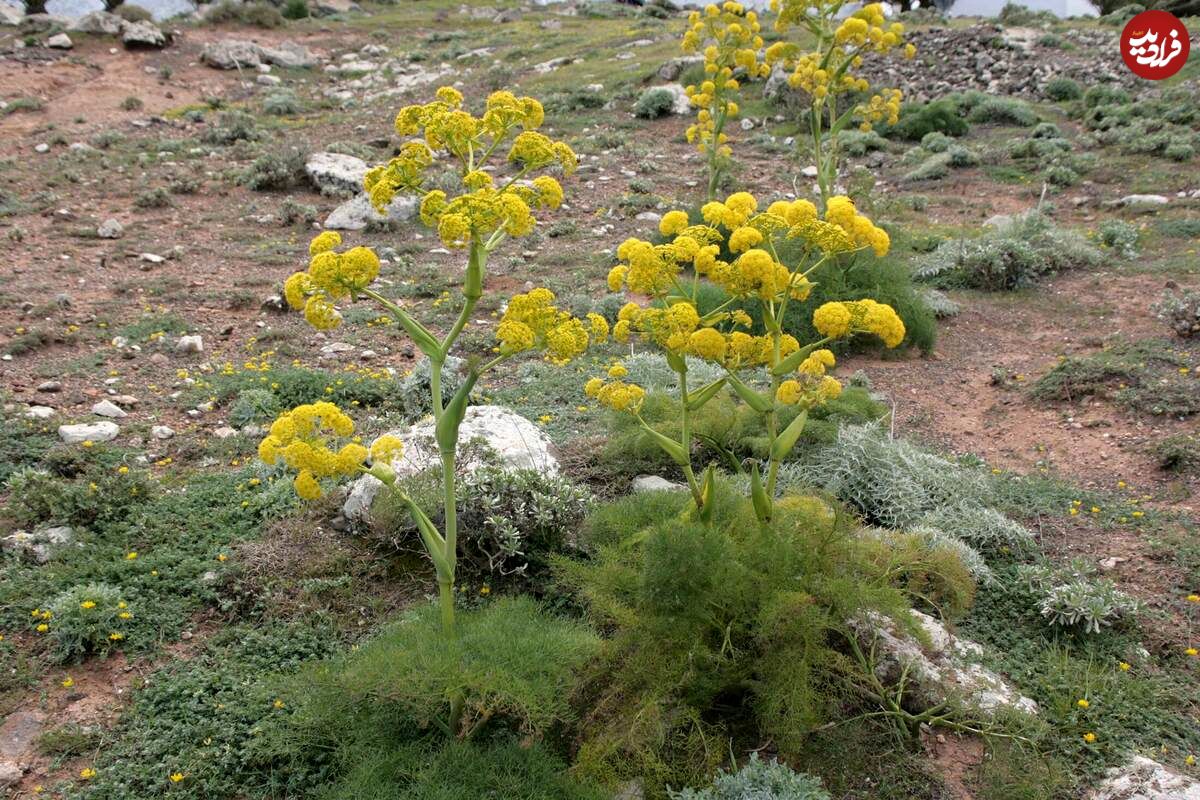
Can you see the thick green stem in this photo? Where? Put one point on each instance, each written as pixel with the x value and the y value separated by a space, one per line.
pixel 686 440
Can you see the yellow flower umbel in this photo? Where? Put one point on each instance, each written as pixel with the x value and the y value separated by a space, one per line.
pixel 728 37
pixel 831 71
pixel 736 247
pixel 306 440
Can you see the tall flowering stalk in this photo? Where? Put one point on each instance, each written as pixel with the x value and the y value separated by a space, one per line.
pixel 796 373
pixel 316 440
pixel 728 37
pixel 828 72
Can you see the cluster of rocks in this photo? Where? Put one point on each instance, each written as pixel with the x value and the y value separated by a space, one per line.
pixel 341 174
pixel 990 58
pixel 133 35
pixel 242 54
pixel 369 74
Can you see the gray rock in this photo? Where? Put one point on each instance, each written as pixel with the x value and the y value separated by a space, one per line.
pixel 192 343
pixel 947 667
pixel 336 173
pixel 654 483
pixel 290 55
pixel 41 147
pixel 10 15
pixel 231 54
pixel 1145 779
pixel 39 412
pixel 40 544
pixel 267 80
pixel 110 229
pixel 358 213
pixel 60 41
pixel 224 432
pixel 1144 200
pixel 10 772
pixel 49 386
pixel 107 408
pixel 161 432
pixel 671 70
pixel 19 735
pixel 515 442
pixel 100 23
pixel 142 34
pixel 103 431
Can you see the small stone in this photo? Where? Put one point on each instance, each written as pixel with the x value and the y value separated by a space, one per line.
pixel 158 359
pixel 161 432
pixel 267 80
pixel 190 344
pixel 107 408
pixel 60 41
pixel 224 432
pixel 747 124
pixel 125 400
pixel 104 431
pixel 41 147
pixel 654 483
pixel 49 386
pixel 110 229
pixel 152 258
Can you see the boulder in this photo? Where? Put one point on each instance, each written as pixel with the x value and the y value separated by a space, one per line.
pixel 103 431
pixel 190 344
pixel 946 667
pixel 110 229
pixel 488 434
pixel 290 55
pixel 1145 779
pixel 1144 200
pixel 107 408
pixel 40 544
pixel 671 70
pixel 10 15
pixel 39 412
pixel 335 173
pixel 231 54
pixel 358 213
pixel 60 41
pixel 100 23
pixel 142 34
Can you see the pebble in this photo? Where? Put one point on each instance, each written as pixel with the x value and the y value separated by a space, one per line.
pixel 107 408
pixel 161 432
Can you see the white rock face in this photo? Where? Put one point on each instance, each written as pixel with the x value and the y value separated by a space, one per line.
pixel 98 22
pixel 516 442
pixel 948 667
pixel 356 214
pixel 1144 779
pixel 653 483
pixel 1144 200
pixel 110 229
pixel 107 408
pixel 103 431
pixel 234 53
pixel 336 172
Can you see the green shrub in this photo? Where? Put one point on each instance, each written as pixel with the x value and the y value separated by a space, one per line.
pixel 960 157
pixel 653 103
pixel 918 120
pixel 293 386
pixel 1142 375
pixel 1003 111
pixel 1103 94
pixel 725 627
pixel 985 530
pixel 859 143
pixel 935 167
pixel 131 12
pixel 100 495
pixel 936 142
pixel 758 780
pixel 575 100
pixel 1179 453
pixel 232 126
pixel 1181 311
pixel 275 170
pixel 253 406
pixel 1062 90
pixel 510 521
pixel 257 14
pixel 283 103
pixel 295 9
pixel 1012 255
pixel 1071 596
pixel 88 620
pixel 1119 235
pixel 513 662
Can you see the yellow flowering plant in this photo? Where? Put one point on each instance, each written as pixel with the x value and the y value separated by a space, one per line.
pixel 829 71
pixel 751 242
pixel 315 441
pixel 728 37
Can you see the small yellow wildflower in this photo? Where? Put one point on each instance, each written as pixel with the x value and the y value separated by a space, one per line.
pixel 1082 703
pixel 176 777
pixel 1089 737
pixel 87 773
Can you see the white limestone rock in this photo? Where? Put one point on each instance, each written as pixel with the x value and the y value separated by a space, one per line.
pixel 103 431
pixel 515 442
pixel 336 173
pixel 358 213
pixel 1145 779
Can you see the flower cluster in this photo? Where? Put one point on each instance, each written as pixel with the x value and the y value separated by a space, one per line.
pixel 531 321
pixel 330 276
pixel 728 36
pixel 615 393
pixel 824 73
pixel 302 439
pixel 838 320
pixel 484 209
pixel 810 386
